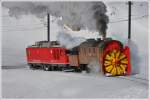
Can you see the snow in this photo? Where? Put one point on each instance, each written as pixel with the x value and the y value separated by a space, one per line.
pixel 25 83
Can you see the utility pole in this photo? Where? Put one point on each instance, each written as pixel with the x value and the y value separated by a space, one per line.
pixel 129 20
pixel 48 27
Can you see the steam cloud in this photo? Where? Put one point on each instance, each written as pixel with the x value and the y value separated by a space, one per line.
pixel 68 41
pixel 94 66
pixel 134 56
pixel 77 15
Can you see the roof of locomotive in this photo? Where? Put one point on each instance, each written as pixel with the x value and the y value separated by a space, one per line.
pixel 46 44
pixel 90 43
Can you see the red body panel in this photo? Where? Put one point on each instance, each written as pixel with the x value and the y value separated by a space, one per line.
pixel 53 55
pixel 126 51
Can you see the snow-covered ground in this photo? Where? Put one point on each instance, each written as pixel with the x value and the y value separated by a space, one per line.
pixel 25 83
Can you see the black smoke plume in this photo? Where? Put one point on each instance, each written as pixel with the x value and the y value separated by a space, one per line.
pixel 76 15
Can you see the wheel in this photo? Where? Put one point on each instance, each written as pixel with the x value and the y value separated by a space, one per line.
pixel 52 68
pixel 115 63
pixel 83 67
pixel 78 70
pixel 32 66
pixel 60 68
pixel 46 67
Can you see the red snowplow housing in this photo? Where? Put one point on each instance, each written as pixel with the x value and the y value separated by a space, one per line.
pixel 51 55
pixel 115 59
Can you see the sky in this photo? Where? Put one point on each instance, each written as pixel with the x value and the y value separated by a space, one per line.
pixel 17 34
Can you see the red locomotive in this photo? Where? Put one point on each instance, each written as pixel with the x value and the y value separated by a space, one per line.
pixel 114 59
pixel 47 55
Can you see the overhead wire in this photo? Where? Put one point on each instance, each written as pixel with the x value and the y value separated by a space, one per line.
pixel 22 25
pixel 42 25
pixel 37 28
pixel 136 18
pixel 31 29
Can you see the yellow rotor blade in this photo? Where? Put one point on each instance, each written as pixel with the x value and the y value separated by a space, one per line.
pixel 108 57
pixel 121 56
pixel 107 62
pixel 112 54
pixel 125 61
pixel 109 68
pixel 117 54
pixel 118 70
pixel 113 72
pixel 123 67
